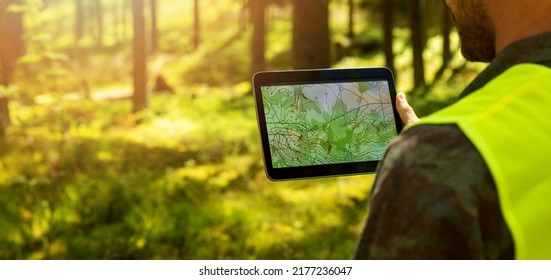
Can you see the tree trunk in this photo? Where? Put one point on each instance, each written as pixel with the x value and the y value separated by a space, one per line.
pixel 79 20
pixel 4 116
pixel 14 32
pixel 417 41
pixel 388 26
pixel 446 29
pixel 196 25
pixel 351 10
pixel 154 33
pixel 310 34
pixel 98 11
pixel 12 47
pixel 258 20
pixel 140 98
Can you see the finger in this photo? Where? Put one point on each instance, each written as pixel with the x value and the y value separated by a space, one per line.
pixel 407 114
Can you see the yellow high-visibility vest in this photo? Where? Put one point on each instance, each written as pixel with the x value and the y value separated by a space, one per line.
pixel 509 123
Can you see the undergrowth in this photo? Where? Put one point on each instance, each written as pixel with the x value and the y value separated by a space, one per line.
pixel 182 180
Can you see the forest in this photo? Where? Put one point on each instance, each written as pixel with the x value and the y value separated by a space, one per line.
pixel 128 128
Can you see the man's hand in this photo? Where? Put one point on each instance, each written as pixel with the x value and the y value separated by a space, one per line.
pixel 407 114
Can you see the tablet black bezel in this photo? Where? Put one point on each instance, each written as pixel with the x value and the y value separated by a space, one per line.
pixel 317 76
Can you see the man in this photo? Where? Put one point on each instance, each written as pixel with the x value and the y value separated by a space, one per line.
pixel 470 182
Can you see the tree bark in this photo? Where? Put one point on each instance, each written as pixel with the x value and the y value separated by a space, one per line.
pixel 258 21
pixel 446 29
pixel 351 11
pixel 154 33
pixel 12 47
pixel 310 34
pixel 4 116
pixel 79 20
pixel 417 40
pixel 388 26
pixel 98 8
pixel 140 97
pixel 196 25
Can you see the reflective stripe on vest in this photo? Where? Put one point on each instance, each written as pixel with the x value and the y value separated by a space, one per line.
pixel 509 122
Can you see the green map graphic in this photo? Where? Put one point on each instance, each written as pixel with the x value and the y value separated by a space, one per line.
pixel 328 123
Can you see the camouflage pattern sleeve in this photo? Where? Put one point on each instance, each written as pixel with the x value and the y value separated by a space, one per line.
pixel 434 198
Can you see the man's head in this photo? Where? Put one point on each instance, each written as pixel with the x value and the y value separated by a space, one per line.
pixel 476 29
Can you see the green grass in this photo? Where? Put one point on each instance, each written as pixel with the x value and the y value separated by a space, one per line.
pixel 182 180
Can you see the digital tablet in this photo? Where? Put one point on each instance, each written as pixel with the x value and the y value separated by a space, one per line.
pixel 327 122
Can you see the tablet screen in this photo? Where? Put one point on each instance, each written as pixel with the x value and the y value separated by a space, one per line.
pixel 315 126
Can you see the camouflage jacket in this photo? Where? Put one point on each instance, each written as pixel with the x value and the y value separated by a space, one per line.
pixel 434 197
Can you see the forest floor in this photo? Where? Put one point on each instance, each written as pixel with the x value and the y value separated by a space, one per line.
pixel 182 180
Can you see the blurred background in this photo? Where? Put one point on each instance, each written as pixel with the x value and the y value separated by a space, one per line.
pixel 128 130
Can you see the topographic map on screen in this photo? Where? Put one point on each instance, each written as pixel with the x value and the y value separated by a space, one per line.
pixel 318 124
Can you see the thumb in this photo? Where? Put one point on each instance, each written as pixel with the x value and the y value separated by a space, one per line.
pixel 407 114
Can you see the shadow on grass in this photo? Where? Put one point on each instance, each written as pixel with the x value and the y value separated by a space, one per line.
pixel 115 199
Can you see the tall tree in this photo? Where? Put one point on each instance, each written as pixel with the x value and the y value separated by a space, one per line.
pixel 351 11
pixel 12 47
pixel 140 97
pixel 258 20
pixel 154 34
pixel 98 12
pixel 388 26
pixel 417 41
pixel 446 29
pixel 79 20
pixel 196 25
pixel 310 34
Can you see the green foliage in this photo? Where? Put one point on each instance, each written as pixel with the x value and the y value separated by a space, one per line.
pixel 8 91
pixel 182 180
